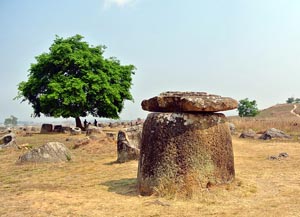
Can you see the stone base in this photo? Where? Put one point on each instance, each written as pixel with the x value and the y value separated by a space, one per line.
pixel 182 153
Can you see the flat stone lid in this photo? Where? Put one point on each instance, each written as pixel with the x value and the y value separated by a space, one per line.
pixel 173 101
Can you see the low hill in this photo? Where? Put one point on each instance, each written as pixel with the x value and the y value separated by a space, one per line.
pixel 279 111
pixel 284 117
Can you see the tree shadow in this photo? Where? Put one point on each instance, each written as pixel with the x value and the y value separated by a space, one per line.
pixel 126 187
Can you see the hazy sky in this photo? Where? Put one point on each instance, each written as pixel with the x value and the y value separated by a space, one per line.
pixel 235 48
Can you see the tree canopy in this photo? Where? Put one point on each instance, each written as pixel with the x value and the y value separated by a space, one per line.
pixel 11 121
pixel 247 108
pixel 292 100
pixel 74 80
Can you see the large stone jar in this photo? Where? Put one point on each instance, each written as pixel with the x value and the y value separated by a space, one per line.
pixel 184 152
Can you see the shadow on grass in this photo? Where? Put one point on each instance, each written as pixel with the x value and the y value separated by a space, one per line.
pixel 111 163
pixel 122 186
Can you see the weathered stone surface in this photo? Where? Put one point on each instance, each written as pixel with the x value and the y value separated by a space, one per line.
pixel 184 152
pixel 58 129
pixel 248 134
pixel 50 152
pixel 75 131
pixel 134 135
pixel 274 133
pixel 46 128
pixel 126 152
pixel 81 142
pixel 232 128
pixel 188 102
pixel 8 140
pixel 92 130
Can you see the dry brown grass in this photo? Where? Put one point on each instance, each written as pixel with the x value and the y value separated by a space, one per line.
pixel 94 185
pixel 278 116
pixel 289 125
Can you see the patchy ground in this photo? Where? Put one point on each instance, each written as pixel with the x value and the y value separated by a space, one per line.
pixel 94 185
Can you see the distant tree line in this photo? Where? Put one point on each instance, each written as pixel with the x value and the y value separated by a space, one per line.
pixel 11 121
pixel 293 100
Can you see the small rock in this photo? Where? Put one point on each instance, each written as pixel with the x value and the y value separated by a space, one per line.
pixel 248 134
pixel 92 130
pixel 283 155
pixel 81 142
pixel 272 157
pixel 75 131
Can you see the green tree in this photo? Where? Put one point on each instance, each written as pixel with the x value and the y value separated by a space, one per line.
pixel 297 100
pixel 247 108
pixel 290 100
pixel 7 122
pixel 74 80
pixel 11 121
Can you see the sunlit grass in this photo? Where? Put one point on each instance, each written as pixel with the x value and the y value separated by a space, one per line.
pixel 92 184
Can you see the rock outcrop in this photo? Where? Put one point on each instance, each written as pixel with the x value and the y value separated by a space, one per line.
pixel 48 153
pixel 187 148
pixel 126 152
pixel 274 133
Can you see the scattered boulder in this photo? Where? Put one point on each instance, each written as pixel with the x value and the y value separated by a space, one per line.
pixel 111 135
pixel 273 157
pixel 103 124
pixel 274 133
pixel 66 129
pixel 283 155
pixel 248 134
pixel 185 146
pixel 114 125
pixel 126 152
pixel 8 140
pixel 58 129
pixel 47 153
pixel 75 131
pixel 46 128
pixel 94 137
pixel 92 130
pixel 279 157
pixel 81 142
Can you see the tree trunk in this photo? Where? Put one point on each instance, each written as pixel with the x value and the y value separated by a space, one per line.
pixel 78 123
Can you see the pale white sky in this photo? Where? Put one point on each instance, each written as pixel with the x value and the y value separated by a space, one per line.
pixel 232 48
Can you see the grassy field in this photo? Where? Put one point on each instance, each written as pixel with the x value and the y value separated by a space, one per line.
pixel 278 116
pixel 92 184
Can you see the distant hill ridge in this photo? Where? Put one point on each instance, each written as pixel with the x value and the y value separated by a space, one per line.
pixel 279 111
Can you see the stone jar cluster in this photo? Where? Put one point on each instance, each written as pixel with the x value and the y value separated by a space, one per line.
pixel 186 146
